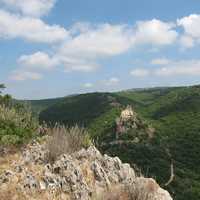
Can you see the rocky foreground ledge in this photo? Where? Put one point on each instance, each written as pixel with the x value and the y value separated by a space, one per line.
pixel 84 175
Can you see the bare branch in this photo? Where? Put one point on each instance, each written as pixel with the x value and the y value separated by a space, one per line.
pixel 172 174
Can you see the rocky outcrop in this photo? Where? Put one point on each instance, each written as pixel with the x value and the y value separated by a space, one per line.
pixel 130 123
pixel 84 175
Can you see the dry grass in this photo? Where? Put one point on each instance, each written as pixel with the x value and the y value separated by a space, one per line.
pixel 64 140
pixel 141 189
pixel 116 192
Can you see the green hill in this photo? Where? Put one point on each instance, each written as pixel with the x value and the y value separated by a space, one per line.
pixel 40 105
pixel 173 112
pixel 80 109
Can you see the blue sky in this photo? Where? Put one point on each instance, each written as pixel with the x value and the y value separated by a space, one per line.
pixel 51 48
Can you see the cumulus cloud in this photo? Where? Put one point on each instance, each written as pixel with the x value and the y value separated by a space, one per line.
pixel 139 72
pixel 176 68
pixel 109 40
pixel 20 75
pixel 90 43
pixel 88 85
pixel 76 64
pixel 35 30
pixel 187 41
pixel 84 45
pixel 191 34
pixel 34 8
pixel 38 60
pixel 101 40
pixel 32 66
pixel 180 68
pixel 160 61
pixel 155 32
pixel 41 61
pixel 170 68
pixel 190 24
pixel 111 81
pixel 103 84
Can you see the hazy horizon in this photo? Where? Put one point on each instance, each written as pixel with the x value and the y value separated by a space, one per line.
pixel 87 92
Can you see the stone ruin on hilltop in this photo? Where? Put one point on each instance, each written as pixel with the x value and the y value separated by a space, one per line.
pixel 129 120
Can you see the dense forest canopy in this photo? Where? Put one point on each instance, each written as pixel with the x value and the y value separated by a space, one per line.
pixel 173 112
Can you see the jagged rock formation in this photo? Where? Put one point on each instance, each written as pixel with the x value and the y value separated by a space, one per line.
pixel 84 175
pixel 130 122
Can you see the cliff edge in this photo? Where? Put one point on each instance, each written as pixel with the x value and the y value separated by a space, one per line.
pixel 83 175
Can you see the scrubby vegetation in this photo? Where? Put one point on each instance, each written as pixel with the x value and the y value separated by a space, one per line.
pixel 16 126
pixel 16 122
pixel 173 112
pixel 64 140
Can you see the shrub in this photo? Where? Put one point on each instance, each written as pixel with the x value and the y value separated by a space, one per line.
pixel 10 139
pixel 16 125
pixel 64 140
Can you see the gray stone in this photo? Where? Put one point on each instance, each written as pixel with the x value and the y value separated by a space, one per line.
pixel 79 175
pixel 30 182
pixel 6 176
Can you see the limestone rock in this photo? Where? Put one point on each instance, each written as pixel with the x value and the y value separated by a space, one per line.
pixel 79 176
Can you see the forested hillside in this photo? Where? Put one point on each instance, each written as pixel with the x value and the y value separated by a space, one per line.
pixel 173 112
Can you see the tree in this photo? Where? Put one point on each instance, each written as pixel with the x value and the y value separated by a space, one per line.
pixel 5 99
pixel 2 86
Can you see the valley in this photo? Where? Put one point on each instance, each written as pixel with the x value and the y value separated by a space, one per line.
pixel 173 112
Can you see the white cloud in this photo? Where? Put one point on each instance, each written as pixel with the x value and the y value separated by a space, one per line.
pixel 112 81
pixel 172 68
pixel 80 27
pixel 160 61
pixel 180 68
pixel 139 72
pixel 88 85
pixel 87 67
pixel 38 60
pixel 32 29
pixel 76 64
pixel 111 40
pixel 155 32
pixel 34 8
pixel 84 44
pixel 85 39
pixel 20 75
pixel 32 66
pixel 87 44
pixel 101 40
pixel 190 25
pixel 41 61
pixel 90 43
pixel 186 41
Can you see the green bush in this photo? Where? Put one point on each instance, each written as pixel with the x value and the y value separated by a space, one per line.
pixel 16 125
pixel 10 139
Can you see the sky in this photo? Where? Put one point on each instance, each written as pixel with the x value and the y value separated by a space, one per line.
pixel 53 48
